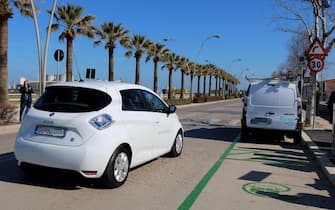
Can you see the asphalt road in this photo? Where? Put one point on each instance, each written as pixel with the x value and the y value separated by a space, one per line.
pixel 215 171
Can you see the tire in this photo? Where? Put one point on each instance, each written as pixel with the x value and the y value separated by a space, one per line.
pixel 177 146
pixel 297 138
pixel 30 170
pixel 117 169
pixel 244 134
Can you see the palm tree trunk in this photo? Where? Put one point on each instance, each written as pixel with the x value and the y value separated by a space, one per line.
pixel 170 84
pixel 69 54
pixel 220 86
pixel 204 90
pixel 191 86
pixel 210 85
pixel 216 85
pixel 198 91
pixel 3 60
pixel 224 88
pixel 137 78
pixel 156 76
pixel 111 64
pixel 182 84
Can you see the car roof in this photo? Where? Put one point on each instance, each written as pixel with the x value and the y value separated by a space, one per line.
pixel 100 85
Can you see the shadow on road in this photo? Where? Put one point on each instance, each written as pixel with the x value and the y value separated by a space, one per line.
pixel 310 200
pixel 217 133
pixel 40 176
pixel 323 112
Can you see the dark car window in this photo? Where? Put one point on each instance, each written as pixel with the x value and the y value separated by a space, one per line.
pixel 133 100
pixel 154 103
pixel 72 99
pixel 141 100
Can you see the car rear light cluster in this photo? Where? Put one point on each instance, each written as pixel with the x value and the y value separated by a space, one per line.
pixel 101 121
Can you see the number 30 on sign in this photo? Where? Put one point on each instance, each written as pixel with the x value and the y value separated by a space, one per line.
pixel 316 64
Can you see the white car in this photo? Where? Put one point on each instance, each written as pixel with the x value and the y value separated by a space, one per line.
pixel 99 129
pixel 272 105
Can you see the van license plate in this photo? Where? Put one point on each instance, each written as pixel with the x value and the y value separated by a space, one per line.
pixel 259 120
pixel 50 131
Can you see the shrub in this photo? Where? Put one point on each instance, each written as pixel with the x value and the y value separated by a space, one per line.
pixel 178 101
pixel 8 113
pixel 202 99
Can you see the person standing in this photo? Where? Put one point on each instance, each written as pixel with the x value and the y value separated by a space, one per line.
pixel 26 99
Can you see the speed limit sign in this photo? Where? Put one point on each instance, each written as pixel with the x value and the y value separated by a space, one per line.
pixel 316 64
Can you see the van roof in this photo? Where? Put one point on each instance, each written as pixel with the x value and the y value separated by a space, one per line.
pixel 273 81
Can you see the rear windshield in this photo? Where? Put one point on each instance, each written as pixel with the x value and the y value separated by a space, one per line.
pixel 272 95
pixel 72 99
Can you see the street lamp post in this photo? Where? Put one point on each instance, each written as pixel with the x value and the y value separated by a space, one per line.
pixel 42 61
pixel 229 66
pixel 217 36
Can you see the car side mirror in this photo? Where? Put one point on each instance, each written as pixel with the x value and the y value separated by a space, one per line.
pixel 172 109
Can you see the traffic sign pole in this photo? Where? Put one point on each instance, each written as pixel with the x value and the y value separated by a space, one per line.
pixel 315 54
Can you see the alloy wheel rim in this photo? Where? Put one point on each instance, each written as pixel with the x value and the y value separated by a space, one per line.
pixel 179 143
pixel 121 167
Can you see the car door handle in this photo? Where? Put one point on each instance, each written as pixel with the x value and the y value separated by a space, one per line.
pixel 157 122
pixel 269 113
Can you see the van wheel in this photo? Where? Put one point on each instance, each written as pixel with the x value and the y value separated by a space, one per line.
pixel 244 134
pixel 116 172
pixel 177 146
pixel 297 138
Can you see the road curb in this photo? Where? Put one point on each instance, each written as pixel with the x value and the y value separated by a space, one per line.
pixel 206 103
pixel 325 164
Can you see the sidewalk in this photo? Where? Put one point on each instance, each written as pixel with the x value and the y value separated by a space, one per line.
pixel 319 142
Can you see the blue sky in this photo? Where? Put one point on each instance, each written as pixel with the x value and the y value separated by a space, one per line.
pixel 247 30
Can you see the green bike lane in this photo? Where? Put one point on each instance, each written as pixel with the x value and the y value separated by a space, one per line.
pixel 262 176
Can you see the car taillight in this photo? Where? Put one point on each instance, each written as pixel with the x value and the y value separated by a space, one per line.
pixel 101 121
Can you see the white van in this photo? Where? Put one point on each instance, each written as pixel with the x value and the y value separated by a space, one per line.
pixel 272 105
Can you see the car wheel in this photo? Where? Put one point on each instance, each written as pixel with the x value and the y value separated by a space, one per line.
pixel 177 146
pixel 116 172
pixel 297 138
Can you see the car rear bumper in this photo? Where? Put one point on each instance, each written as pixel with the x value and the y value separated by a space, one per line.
pixel 56 156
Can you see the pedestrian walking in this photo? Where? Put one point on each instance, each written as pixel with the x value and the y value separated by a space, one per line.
pixel 26 99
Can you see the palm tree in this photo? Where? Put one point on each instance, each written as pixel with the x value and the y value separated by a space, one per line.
pixel 137 45
pixel 110 33
pixel 217 81
pixel 70 17
pixel 156 52
pixel 6 12
pixel 205 72
pixel 171 60
pixel 198 72
pixel 191 72
pixel 211 72
pixel 184 68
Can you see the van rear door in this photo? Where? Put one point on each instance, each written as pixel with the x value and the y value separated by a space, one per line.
pixel 272 106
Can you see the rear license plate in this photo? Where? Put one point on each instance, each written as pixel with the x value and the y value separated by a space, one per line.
pixel 50 131
pixel 259 120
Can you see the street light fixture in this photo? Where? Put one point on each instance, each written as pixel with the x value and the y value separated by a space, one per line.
pixel 233 61
pixel 217 36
